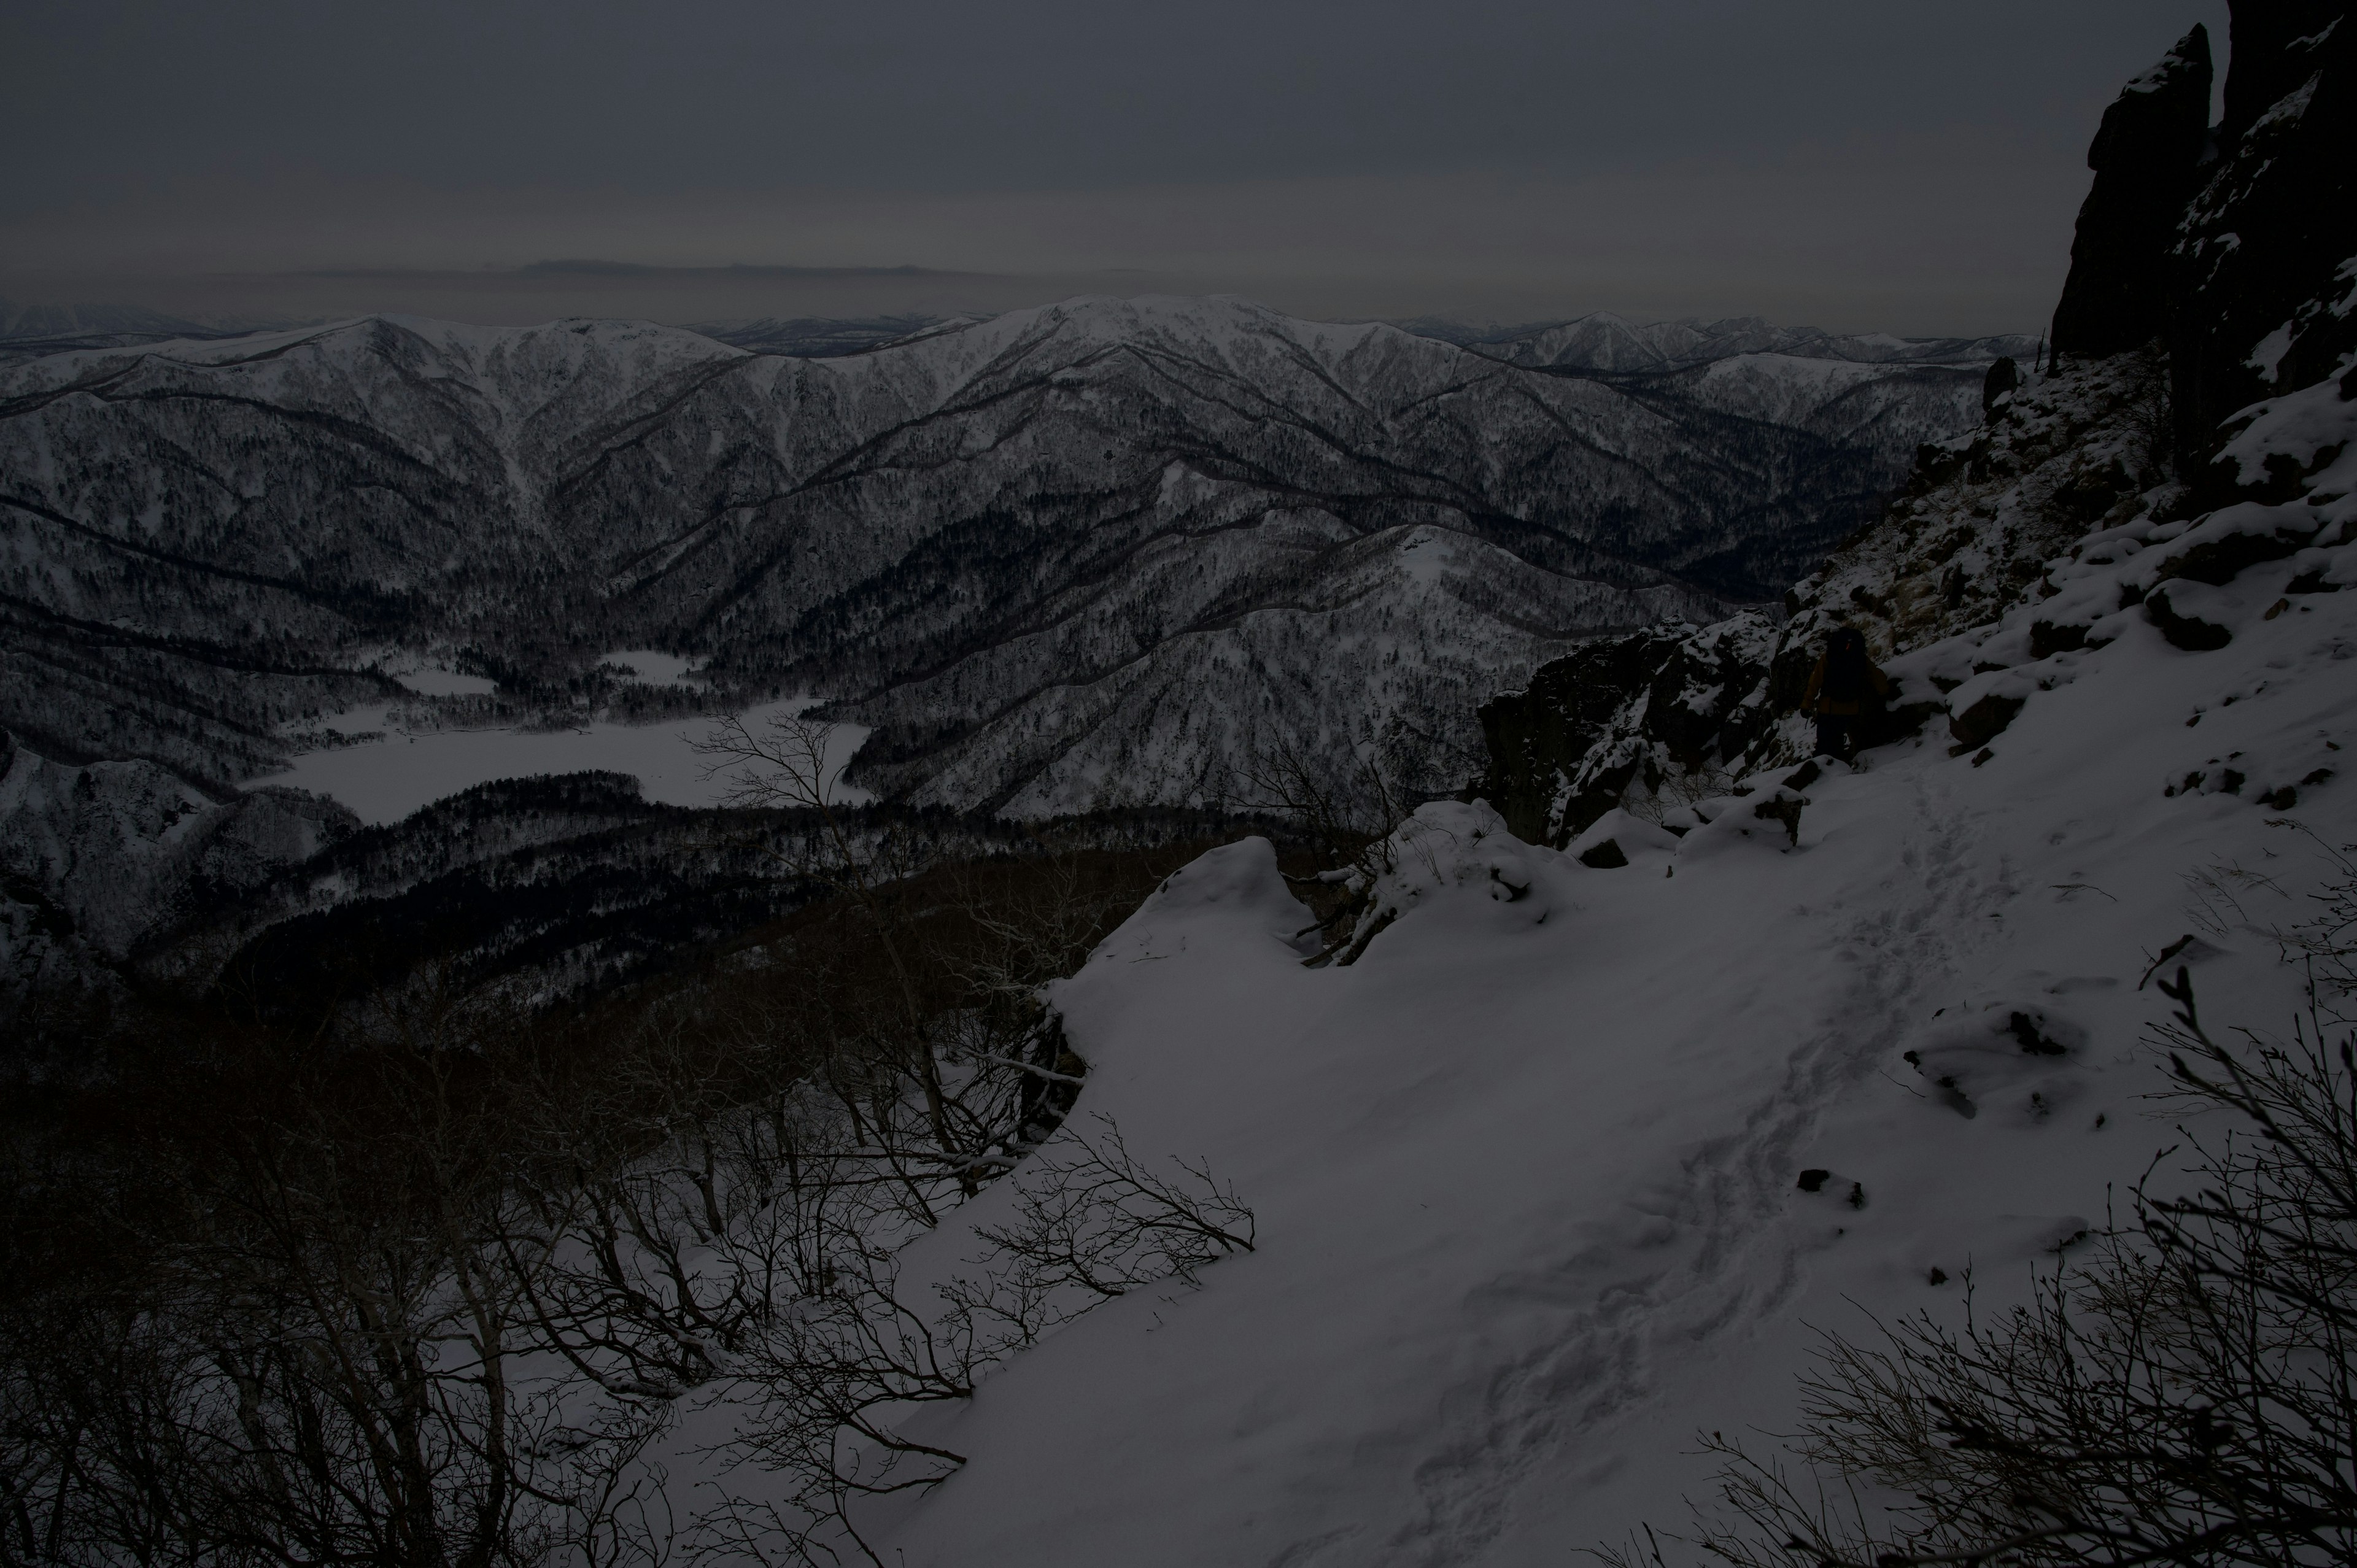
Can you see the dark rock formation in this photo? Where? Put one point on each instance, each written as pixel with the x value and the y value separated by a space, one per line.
pixel 1783 807
pixel 2260 34
pixel 1539 737
pixel 2003 377
pixel 1606 855
pixel 1983 721
pixel 2189 633
pixel 2267 238
pixel 2145 156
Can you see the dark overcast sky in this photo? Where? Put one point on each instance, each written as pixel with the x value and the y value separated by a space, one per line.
pixel 1894 163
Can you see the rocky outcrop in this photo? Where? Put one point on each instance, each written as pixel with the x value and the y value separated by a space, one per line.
pixel 2268 254
pixel 2026 541
pixel 2146 158
pixel 1674 714
pixel 1998 383
pixel 1539 737
pixel 2262 37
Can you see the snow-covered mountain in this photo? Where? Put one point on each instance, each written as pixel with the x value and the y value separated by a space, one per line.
pixel 94 858
pixel 31 331
pixel 1610 342
pixel 826 338
pixel 1091 554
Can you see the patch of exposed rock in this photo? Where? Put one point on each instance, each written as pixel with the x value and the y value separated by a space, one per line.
pixel 1669 715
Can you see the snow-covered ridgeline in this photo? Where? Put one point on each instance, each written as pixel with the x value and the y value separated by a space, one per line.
pixel 1006 545
pixel 1605 340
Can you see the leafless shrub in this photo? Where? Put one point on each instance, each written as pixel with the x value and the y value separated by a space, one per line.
pixel 1087 1215
pixel 2188 1395
pixel 426 1289
pixel 1347 815
pixel 824 1390
pixel 309 1350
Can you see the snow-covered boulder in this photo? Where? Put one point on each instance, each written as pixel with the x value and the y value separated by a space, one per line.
pixel 1621 838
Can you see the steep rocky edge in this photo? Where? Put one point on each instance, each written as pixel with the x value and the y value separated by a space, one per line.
pixel 2147 156
pixel 2222 401
pixel 2267 258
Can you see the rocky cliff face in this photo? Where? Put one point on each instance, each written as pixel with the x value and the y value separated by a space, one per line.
pixel 2268 289
pixel 2002 530
pixel 2146 158
pixel 2227 243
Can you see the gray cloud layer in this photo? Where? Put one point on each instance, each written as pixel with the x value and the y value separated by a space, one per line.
pixel 1901 164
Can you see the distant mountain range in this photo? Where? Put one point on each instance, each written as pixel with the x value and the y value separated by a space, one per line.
pixel 1092 554
pixel 1598 341
pixel 1604 341
pixel 30 331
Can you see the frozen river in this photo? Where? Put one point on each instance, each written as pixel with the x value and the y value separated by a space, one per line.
pixel 385 780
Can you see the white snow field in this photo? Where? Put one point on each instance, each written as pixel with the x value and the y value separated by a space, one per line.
pixel 1526 1176
pixel 383 781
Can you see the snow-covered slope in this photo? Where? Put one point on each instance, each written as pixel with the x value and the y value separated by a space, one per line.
pixel 1001 545
pixel 94 858
pixel 1573 1163
pixel 1528 1176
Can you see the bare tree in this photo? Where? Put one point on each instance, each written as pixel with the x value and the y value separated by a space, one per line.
pixel 425 1287
pixel 1348 818
pixel 824 1389
pixel 787 765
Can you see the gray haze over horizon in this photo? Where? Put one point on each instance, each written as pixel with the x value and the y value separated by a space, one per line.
pixel 1853 165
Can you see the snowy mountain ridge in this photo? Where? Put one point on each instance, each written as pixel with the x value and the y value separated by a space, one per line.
pixel 1005 547
pixel 1607 341
pixel 1572 1158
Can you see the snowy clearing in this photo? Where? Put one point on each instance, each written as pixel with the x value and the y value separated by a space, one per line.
pixel 385 780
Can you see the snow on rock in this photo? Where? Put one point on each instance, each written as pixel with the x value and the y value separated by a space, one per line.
pixel 1235 889
pixel 2045 532
pixel 2305 436
pixel 1631 838
pixel 1450 848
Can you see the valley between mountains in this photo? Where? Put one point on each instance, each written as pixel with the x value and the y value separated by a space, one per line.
pixel 1073 558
